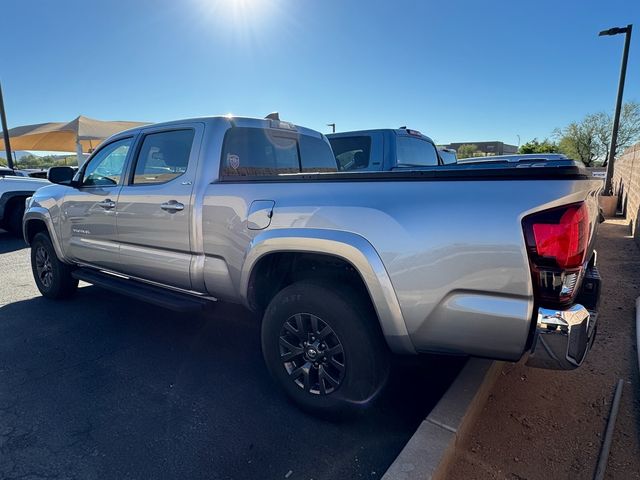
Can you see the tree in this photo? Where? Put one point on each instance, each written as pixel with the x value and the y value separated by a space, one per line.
pixel 579 140
pixel 534 146
pixel 467 150
pixel 589 139
pixel 603 133
pixel 32 161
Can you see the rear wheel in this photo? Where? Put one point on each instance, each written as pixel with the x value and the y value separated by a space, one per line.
pixel 324 347
pixel 53 277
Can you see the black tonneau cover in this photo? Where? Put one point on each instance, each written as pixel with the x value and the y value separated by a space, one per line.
pixel 563 169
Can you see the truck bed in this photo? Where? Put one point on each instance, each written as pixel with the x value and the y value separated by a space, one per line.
pixel 449 238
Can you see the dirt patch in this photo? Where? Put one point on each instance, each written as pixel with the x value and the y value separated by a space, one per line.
pixel 540 424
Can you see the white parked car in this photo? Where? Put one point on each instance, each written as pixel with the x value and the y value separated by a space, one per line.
pixel 14 190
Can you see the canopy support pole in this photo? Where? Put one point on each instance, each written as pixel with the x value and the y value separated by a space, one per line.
pixel 5 130
pixel 80 158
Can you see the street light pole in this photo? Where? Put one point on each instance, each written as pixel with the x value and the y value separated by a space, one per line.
pixel 5 131
pixel 616 116
pixel 333 127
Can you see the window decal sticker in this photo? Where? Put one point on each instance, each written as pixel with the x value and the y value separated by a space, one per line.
pixel 233 161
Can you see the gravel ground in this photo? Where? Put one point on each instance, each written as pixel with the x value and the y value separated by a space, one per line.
pixel 102 386
pixel 541 424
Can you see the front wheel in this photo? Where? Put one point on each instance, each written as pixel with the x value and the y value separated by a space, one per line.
pixel 53 277
pixel 324 347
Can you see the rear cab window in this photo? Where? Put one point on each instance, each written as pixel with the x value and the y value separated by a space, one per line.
pixel 352 153
pixel 415 152
pixel 259 152
pixel 316 155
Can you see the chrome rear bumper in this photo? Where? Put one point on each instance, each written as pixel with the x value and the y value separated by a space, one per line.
pixel 562 338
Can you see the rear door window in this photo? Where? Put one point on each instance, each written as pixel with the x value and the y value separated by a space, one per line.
pixel 352 153
pixel 415 152
pixel 163 156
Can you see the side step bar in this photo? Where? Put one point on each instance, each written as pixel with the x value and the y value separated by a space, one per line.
pixel 179 302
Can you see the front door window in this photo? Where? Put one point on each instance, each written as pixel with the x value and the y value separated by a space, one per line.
pixel 106 167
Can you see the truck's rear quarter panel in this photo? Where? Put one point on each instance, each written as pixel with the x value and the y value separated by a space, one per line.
pixel 454 249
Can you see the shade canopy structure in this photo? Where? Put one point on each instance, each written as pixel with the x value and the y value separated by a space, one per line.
pixel 81 135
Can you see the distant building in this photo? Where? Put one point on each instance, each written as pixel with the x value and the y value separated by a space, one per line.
pixel 488 148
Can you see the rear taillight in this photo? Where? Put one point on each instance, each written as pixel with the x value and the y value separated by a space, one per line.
pixel 557 243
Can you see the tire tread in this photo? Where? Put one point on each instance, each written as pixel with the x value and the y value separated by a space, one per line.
pixel 353 318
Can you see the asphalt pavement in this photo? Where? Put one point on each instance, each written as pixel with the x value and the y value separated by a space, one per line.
pixel 102 386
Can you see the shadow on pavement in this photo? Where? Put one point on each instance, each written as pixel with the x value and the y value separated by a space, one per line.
pixel 102 386
pixel 9 243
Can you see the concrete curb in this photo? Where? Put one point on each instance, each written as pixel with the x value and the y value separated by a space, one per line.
pixel 429 451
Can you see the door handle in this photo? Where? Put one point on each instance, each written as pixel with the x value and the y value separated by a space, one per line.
pixel 172 206
pixel 107 204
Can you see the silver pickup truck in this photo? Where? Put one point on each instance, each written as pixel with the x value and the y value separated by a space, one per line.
pixel 492 260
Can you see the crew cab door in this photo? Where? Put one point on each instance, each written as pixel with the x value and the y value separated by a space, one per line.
pixel 155 207
pixel 88 212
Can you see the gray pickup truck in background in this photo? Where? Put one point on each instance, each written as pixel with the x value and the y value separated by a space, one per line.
pixel 386 149
pixel 345 268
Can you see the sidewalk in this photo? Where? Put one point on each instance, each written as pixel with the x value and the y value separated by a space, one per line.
pixel 540 424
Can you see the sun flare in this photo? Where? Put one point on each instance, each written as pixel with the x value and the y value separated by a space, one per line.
pixel 249 25
pixel 239 14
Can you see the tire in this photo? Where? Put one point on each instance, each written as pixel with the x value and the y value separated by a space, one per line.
pixel 351 356
pixel 14 217
pixel 53 278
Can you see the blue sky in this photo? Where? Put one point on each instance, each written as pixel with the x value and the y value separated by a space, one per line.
pixel 456 70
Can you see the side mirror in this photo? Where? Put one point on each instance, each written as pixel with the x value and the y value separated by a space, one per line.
pixel 61 175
